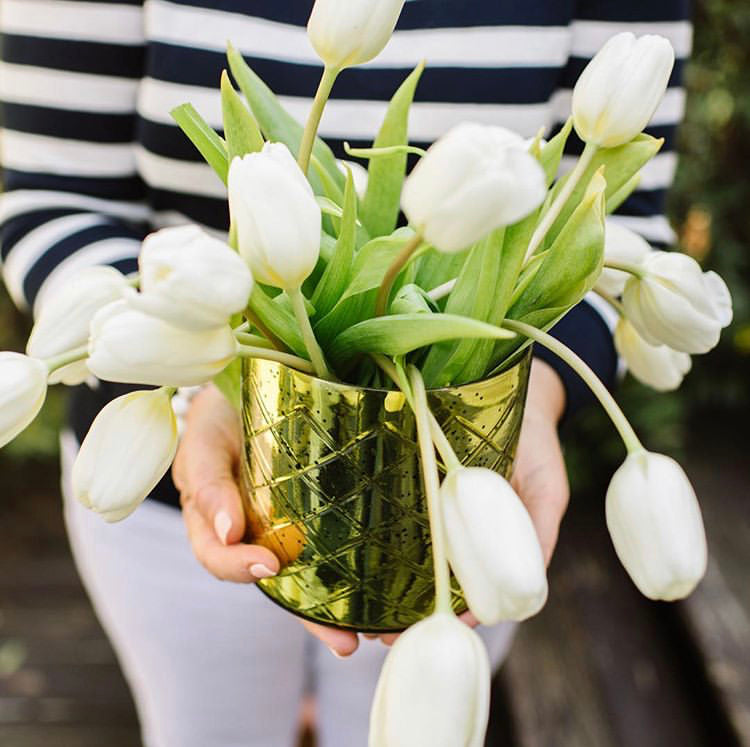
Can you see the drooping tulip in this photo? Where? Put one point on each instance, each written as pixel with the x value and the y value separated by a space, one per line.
pixel 473 180
pixel 492 546
pixel 190 279
pixel 64 318
pixel 618 92
pixel 134 348
pixel 23 389
pixel 656 526
pixel 352 32
pixel 657 366
pixel 675 303
pixel 128 449
pixel 434 688
pixel 624 246
pixel 277 219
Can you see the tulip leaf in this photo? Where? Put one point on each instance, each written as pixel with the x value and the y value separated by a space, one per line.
pixel 435 268
pixel 621 165
pixel 275 122
pixel 240 128
pixel 358 299
pixel 336 276
pixel 380 206
pixel 208 143
pixel 472 296
pixel 551 153
pixel 278 320
pixel 411 299
pixel 568 270
pixel 402 333
pixel 329 207
pixel 615 200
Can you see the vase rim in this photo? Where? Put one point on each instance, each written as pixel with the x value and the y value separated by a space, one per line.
pixel 515 361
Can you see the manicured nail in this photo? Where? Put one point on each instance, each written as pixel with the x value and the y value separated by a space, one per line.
pixel 261 571
pixel 222 525
pixel 337 654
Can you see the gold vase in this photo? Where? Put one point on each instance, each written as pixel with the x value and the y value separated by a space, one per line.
pixel 332 485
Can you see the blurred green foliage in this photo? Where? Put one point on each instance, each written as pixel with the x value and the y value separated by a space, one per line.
pixel 709 207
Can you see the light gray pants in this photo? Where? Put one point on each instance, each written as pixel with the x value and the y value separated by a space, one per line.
pixel 214 664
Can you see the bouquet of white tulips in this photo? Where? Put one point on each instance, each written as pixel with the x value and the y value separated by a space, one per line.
pixel 316 273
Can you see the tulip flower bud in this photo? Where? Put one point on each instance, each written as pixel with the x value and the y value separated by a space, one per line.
pixel 473 180
pixel 128 449
pixel 618 92
pixel 620 245
pixel 352 32
pixel 190 279
pixel 433 688
pixel 675 303
pixel 23 389
pixel 277 218
pixel 133 348
pixel 492 546
pixel 656 526
pixel 64 318
pixel 656 366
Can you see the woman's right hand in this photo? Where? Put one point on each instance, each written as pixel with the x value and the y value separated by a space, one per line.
pixel 205 472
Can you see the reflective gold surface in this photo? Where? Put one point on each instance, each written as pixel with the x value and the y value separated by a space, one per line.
pixel 332 486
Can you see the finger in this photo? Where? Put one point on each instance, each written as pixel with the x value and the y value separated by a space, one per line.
pixel 469 619
pixel 342 643
pixel 389 639
pixel 240 563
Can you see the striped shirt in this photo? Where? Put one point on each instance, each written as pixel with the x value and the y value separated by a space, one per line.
pixel 92 160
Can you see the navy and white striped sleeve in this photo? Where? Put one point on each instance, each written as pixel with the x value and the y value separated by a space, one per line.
pixel 588 327
pixel 68 82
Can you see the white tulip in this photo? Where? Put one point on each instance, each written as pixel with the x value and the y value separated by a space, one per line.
pixel 190 279
pixel 434 689
pixel 623 246
pixel 657 366
pixel 656 526
pixel 277 218
pixel 352 32
pixel 23 389
pixel 492 546
pixel 64 318
pixel 473 180
pixel 675 303
pixel 133 348
pixel 619 90
pixel 128 449
pixel 360 176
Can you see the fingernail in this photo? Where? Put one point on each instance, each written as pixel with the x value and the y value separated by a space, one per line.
pixel 261 571
pixel 222 525
pixel 336 653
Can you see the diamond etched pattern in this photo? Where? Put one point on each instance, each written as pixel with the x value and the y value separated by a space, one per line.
pixel 332 485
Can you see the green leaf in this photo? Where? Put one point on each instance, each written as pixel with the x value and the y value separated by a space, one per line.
pixel 552 152
pixel 229 383
pixel 621 165
pixel 403 333
pixel 380 207
pixel 615 200
pixel 411 299
pixel 204 138
pixel 278 320
pixel 435 268
pixel 240 128
pixel 358 300
pixel 275 122
pixel 472 296
pixel 336 276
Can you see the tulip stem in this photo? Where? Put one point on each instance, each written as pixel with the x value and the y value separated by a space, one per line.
pixel 628 435
pixel 316 112
pixel 256 340
pixel 567 190
pixel 439 438
pixel 66 358
pixel 293 361
pixel 432 491
pixel 612 301
pixel 308 336
pixel 441 291
pixel 625 267
pixel 397 265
